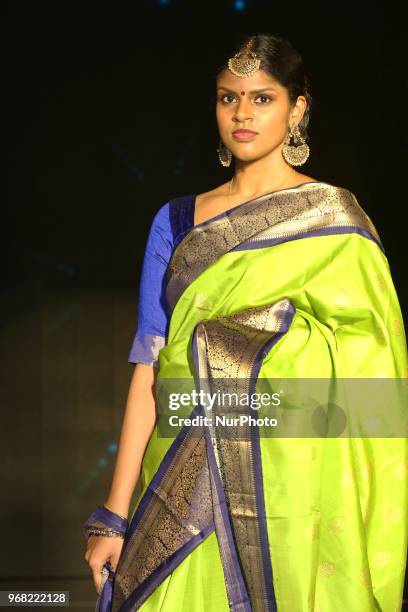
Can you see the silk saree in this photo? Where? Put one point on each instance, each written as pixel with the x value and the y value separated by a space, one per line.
pixel 293 284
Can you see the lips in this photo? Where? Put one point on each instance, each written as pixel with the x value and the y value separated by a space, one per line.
pixel 244 134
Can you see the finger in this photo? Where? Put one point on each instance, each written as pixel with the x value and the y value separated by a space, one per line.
pixel 90 545
pixel 97 576
pixel 114 561
pixel 115 556
pixel 97 579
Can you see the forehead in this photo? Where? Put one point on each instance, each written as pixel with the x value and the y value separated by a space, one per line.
pixel 258 80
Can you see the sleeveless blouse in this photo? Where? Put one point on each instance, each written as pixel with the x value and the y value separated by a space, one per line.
pixel 170 224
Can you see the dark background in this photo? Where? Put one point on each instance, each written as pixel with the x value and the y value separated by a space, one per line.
pixel 110 115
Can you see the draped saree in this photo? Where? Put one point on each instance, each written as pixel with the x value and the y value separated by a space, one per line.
pixel 293 284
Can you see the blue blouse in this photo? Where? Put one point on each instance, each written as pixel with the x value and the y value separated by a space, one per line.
pixel 171 222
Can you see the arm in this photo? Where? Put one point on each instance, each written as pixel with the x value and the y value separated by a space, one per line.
pixel 138 423
pixel 140 412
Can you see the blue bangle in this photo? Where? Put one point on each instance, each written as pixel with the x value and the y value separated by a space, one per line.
pixel 107 518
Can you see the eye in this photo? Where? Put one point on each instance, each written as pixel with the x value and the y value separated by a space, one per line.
pixel 266 99
pixel 225 96
pixel 264 96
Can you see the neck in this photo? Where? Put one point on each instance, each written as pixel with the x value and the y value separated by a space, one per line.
pixel 261 175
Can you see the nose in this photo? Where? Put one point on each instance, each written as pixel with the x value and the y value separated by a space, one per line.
pixel 243 110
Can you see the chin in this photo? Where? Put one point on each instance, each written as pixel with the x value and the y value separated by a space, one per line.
pixel 249 156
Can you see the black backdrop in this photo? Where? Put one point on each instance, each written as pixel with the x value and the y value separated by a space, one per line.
pixel 109 116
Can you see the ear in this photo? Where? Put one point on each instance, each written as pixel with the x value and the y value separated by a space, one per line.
pixel 299 109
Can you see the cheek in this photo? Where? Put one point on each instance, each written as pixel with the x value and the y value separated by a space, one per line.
pixel 274 117
pixel 273 123
pixel 221 115
pixel 217 113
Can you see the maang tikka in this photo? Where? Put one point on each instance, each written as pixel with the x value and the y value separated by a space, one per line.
pixel 246 62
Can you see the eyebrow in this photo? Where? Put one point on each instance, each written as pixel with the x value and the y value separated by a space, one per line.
pixel 252 91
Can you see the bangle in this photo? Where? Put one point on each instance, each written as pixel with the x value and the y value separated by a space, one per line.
pixel 103 518
pixel 103 532
pixel 121 516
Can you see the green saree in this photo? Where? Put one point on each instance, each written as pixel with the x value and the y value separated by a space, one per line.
pixel 290 285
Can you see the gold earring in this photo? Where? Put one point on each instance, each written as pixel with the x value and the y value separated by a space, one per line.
pixel 295 155
pixel 224 154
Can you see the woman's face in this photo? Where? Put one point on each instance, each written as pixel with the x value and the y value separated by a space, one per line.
pixel 257 103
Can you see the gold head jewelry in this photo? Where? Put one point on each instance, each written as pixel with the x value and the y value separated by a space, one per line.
pixel 244 63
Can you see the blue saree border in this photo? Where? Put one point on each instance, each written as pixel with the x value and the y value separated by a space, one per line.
pixel 146 588
pixel 168 457
pixel 241 600
pixel 142 592
pixel 326 231
pixel 257 461
pixel 237 590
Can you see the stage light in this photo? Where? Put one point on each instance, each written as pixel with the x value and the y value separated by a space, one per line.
pixel 239 5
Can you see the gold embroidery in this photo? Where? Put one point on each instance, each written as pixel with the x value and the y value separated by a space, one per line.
pixel 326 569
pixel 181 508
pixel 397 326
pixel 337 524
pixel 182 504
pixel 311 532
pixel 382 285
pixel 381 559
pixel 228 347
pixel 277 215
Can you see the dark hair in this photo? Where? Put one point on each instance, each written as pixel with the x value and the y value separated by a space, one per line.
pixel 284 63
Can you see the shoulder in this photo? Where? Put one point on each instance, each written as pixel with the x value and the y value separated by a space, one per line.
pixel 172 219
pixel 161 216
pixel 335 198
pixel 342 203
pixel 160 235
pixel 330 191
pixel 342 196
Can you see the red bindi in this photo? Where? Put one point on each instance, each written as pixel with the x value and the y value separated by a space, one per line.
pixel 242 93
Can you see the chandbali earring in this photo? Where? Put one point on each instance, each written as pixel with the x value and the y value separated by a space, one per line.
pixel 224 155
pixel 295 155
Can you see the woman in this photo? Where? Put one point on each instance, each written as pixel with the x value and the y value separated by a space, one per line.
pixel 273 275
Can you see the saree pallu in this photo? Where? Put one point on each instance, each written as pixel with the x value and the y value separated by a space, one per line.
pixel 291 285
